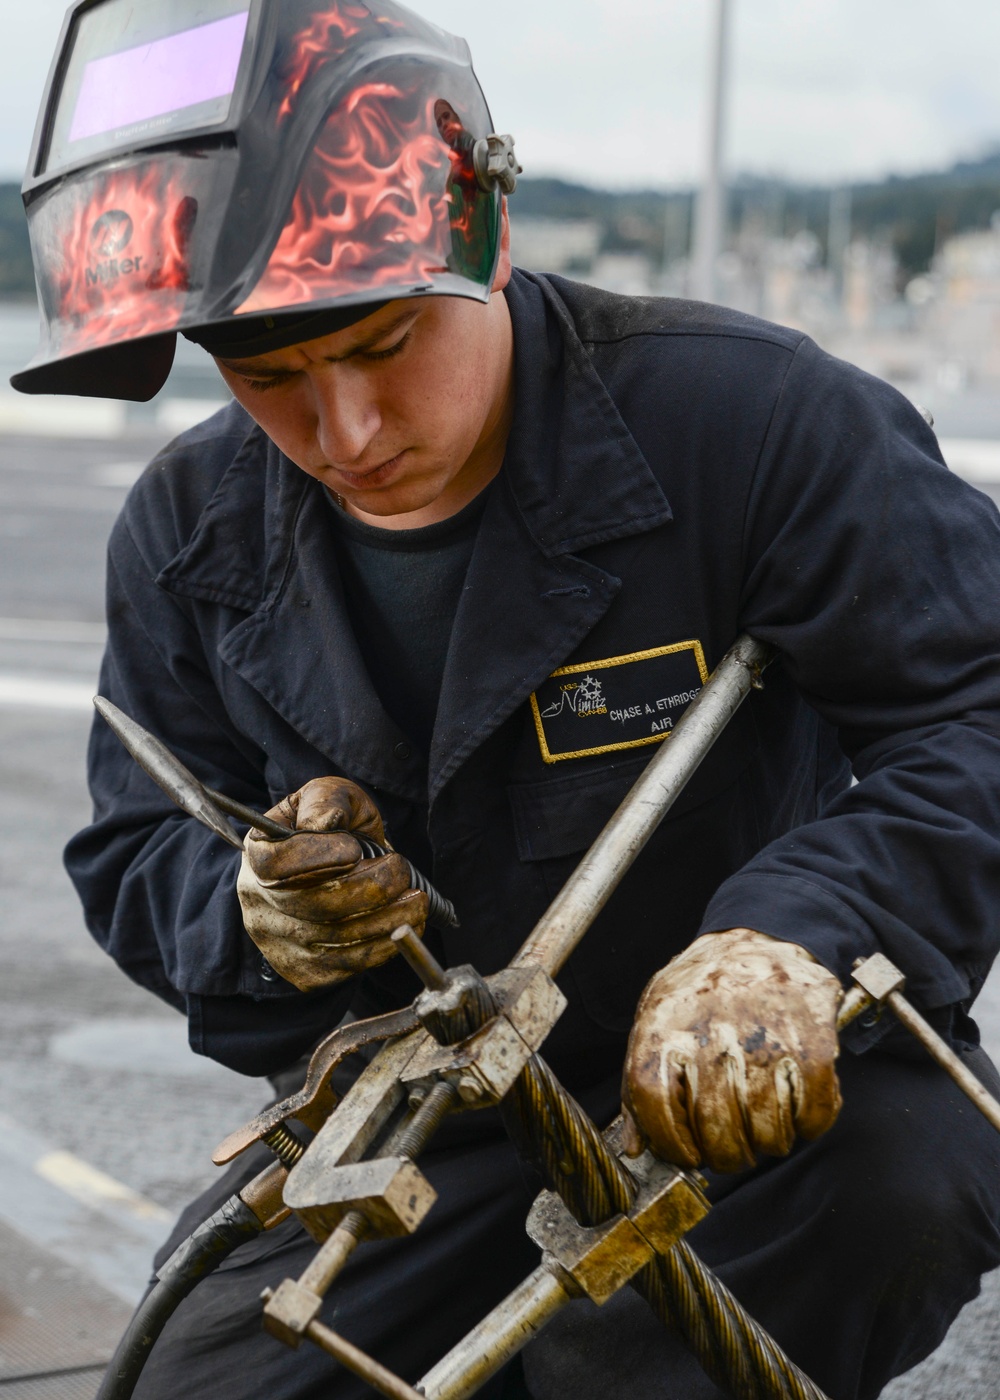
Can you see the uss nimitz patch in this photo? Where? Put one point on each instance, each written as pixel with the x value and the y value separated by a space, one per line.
pixel 622 702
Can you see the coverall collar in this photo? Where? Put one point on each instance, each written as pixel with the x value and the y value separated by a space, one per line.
pixel 567 432
pixel 296 647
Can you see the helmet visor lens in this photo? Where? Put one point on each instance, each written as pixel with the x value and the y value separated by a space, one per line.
pixel 138 73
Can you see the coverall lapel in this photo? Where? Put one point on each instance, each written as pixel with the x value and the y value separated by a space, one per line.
pixel 296 648
pixel 573 477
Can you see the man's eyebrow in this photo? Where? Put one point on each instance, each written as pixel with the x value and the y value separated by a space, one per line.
pixel 248 368
pixel 405 314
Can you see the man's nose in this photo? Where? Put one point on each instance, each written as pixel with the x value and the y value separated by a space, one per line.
pixel 347 414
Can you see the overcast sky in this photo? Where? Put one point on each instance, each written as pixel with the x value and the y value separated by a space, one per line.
pixel 612 92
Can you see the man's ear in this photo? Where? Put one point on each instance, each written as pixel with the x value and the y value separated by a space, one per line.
pixel 503 266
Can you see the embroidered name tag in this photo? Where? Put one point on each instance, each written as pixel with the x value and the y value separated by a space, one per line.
pixel 620 703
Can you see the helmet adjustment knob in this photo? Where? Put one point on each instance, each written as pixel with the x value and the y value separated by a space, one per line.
pixel 495 163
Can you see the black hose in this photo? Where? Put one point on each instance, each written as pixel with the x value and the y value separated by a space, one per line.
pixel 204 1250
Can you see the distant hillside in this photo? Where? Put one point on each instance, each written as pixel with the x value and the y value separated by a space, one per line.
pixel 915 214
pixel 912 213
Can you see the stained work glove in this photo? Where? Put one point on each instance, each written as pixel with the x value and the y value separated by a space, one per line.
pixel 732 1053
pixel 316 909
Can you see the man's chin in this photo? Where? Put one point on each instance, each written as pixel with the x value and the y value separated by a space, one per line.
pixel 394 502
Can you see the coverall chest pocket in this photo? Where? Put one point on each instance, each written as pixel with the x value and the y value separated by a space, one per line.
pixel 657 908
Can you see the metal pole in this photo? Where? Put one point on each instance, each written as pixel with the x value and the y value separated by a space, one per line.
pixel 509 1327
pixel 838 238
pixel 710 214
pixel 597 876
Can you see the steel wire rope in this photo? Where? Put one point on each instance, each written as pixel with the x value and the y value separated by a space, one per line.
pixel 550 1129
pixel 576 1162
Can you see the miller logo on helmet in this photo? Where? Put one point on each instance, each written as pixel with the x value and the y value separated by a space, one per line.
pixel 269 159
pixel 111 233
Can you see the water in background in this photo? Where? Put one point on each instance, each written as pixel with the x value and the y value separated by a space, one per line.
pixel 193 376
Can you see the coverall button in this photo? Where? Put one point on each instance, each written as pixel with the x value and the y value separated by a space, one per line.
pixel 402 751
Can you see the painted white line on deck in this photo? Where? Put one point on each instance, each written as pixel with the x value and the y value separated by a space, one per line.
pixel 92 1187
pixel 53 416
pixel 974 459
pixel 119 474
pixel 49 415
pixel 31 692
pixel 177 415
pixel 51 629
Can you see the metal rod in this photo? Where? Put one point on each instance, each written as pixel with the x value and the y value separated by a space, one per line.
pixel 882 993
pixel 209 806
pixel 945 1056
pixel 413 1134
pixel 502 1333
pixel 166 770
pixel 334 1253
pixel 408 1139
pixel 277 831
pixel 420 958
pixel 386 1382
pixel 597 876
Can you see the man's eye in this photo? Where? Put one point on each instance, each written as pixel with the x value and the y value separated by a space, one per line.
pixel 391 350
pixel 261 386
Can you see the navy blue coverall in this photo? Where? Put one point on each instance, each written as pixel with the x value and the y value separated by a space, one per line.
pixel 675 474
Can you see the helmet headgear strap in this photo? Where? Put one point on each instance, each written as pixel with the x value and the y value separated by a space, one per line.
pixel 243 337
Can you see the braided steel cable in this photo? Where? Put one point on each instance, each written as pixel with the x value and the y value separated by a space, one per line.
pixel 551 1129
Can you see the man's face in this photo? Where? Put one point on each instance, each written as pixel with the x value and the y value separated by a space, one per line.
pixel 404 412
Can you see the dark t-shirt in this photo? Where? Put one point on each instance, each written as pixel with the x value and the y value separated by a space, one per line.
pixel 402 589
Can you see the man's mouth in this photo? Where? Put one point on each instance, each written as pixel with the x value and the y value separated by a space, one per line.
pixel 375 476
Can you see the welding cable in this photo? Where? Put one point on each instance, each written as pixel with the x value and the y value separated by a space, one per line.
pixel 203 1251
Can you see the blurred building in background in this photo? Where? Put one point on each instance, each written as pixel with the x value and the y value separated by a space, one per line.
pixel 901 277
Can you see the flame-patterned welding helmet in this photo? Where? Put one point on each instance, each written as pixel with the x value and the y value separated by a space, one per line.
pixel 247 164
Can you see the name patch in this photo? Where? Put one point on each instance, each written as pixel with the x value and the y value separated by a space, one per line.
pixel 622 702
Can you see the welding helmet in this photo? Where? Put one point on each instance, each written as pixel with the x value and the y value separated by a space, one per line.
pixel 249 173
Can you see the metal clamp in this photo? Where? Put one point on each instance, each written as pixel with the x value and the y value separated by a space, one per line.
pixel 495 163
pixel 875 980
pixel 484 1067
pixel 391 1193
pixel 879 982
pixel 291 1315
pixel 601 1259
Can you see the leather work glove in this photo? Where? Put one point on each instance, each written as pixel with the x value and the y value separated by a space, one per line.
pixel 316 909
pixel 732 1053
